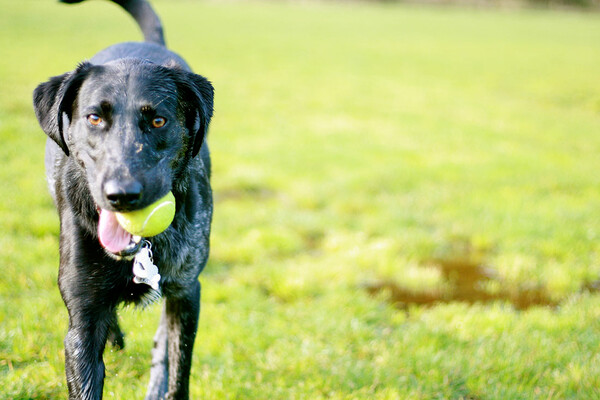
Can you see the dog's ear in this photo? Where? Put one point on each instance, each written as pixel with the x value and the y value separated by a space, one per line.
pixel 196 97
pixel 53 103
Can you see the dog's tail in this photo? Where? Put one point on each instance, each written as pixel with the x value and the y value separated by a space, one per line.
pixel 143 14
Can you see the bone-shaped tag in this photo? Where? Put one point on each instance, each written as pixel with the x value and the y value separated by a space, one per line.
pixel 144 270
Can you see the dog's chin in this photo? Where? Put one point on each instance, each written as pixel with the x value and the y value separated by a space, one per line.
pixel 129 252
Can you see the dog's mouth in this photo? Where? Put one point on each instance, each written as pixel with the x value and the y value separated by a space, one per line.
pixel 114 238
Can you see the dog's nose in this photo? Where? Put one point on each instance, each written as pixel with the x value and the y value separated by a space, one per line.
pixel 123 195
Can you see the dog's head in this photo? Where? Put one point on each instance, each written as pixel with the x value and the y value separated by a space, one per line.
pixel 131 126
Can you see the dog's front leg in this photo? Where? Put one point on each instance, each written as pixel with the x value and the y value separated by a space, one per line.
pixel 182 313
pixel 159 373
pixel 84 345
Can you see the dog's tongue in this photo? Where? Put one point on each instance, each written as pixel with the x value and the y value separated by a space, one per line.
pixel 112 237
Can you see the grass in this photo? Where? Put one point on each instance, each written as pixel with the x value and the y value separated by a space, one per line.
pixel 352 144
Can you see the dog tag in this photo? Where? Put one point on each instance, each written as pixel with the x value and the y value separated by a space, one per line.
pixel 144 270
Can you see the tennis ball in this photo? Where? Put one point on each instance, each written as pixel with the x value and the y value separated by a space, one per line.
pixel 149 221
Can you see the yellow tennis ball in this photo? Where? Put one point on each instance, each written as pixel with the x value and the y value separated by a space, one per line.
pixel 149 221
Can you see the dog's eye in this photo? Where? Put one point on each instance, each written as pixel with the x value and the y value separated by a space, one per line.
pixel 94 119
pixel 159 122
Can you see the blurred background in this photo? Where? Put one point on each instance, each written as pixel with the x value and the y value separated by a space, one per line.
pixel 407 199
pixel 580 5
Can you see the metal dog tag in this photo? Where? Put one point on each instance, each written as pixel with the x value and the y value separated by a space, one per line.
pixel 144 270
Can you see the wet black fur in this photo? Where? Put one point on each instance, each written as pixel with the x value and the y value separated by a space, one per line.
pixel 127 85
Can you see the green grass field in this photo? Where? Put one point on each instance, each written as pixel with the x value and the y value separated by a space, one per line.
pixel 407 202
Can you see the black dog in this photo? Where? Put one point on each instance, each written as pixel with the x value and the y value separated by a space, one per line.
pixel 124 129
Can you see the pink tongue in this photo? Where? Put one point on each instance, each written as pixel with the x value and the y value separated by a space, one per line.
pixel 112 237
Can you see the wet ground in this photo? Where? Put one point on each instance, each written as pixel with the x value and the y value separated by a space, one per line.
pixel 468 282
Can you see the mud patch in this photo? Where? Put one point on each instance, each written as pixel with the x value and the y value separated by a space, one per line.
pixel 468 283
pixel 313 240
pixel 244 191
